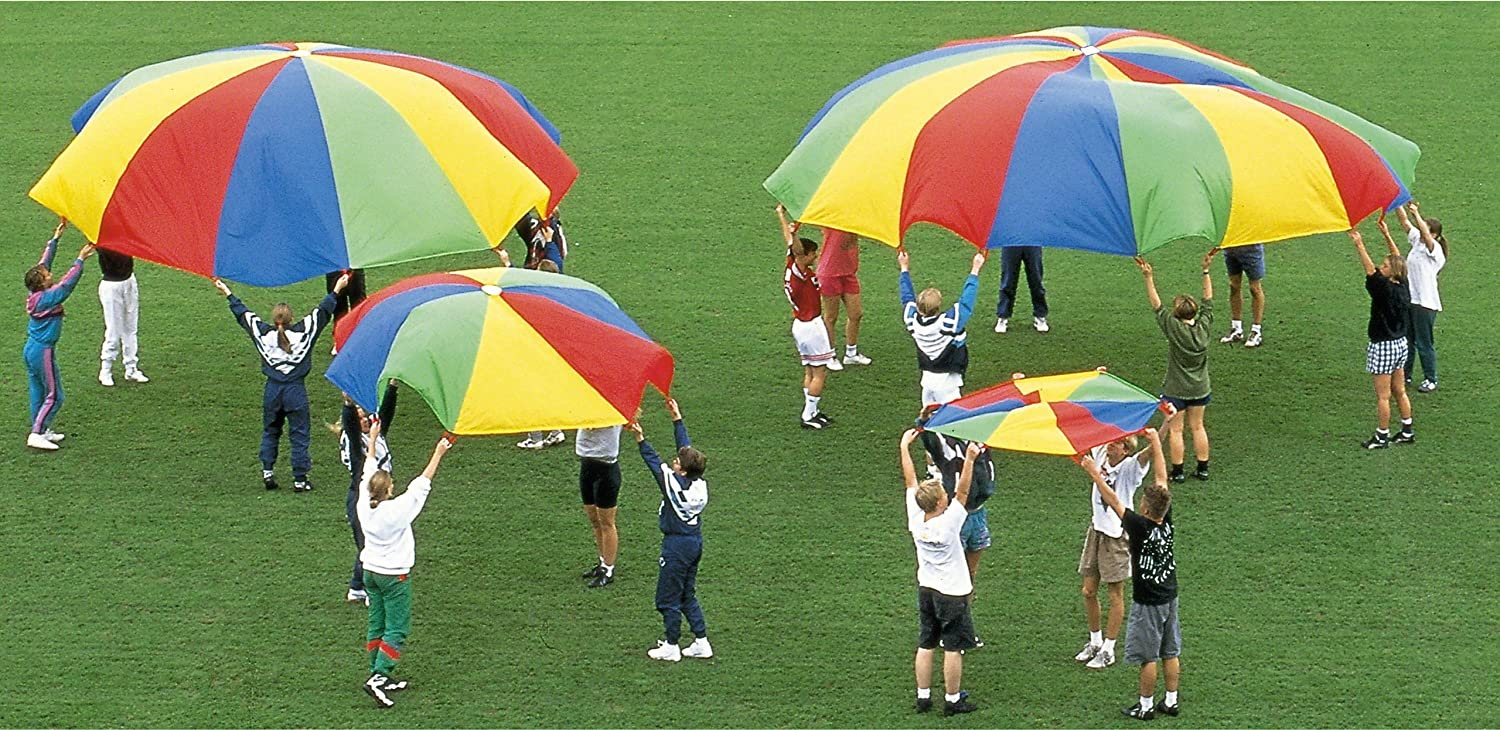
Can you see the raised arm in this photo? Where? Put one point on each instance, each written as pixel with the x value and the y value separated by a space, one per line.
pixel 966 477
pixel 971 291
pixel 1148 274
pixel 1154 453
pixel 679 429
pixel 58 292
pixel 1208 275
pixel 438 452
pixel 1427 238
pixel 788 228
pixel 908 471
pixel 1359 247
pixel 1105 493
pixel 649 455
pixel 349 434
pixel 388 405
pixel 1385 231
pixel 50 249
pixel 1405 222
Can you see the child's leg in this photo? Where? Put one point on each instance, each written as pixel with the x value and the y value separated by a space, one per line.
pixel 1200 432
pixel 357 580
pixel 397 622
pixel 37 380
pixel 1173 670
pixel 1147 684
pixel 953 671
pixel 1398 389
pixel 817 378
pixel 301 433
pixel 376 615
pixel 1383 402
pixel 924 668
pixel 272 418
pixel 1091 602
pixel 1116 610
pixel 831 316
pixel 1174 438
pixel 690 607
pixel 52 393
pixel 669 584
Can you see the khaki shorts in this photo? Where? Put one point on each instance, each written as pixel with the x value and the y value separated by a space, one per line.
pixel 1106 557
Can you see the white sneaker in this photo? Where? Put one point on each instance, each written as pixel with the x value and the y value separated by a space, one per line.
pixel 665 652
pixel 834 366
pixel 357 596
pixel 699 649
pixel 856 359
pixel 136 376
pixel 1089 650
pixel 106 378
pixel 375 688
pixel 1253 340
pixel 1234 335
pixel 53 436
pixel 1001 325
pixel 554 438
pixel 38 441
pixel 531 443
pixel 1040 323
pixel 1101 660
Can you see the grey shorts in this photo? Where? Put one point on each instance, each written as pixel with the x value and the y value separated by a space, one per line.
pixel 1152 633
pixel 944 621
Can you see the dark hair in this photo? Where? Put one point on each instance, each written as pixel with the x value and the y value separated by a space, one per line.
pixel 692 461
pixel 808 246
pixel 1435 226
pixel 1157 500
pixel 36 278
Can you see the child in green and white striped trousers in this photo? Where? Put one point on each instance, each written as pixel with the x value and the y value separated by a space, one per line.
pixel 389 553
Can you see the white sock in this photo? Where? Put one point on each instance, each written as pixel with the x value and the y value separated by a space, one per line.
pixel 609 570
pixel 851 350
pixel 810 406
pixel 1109 645
pixel 1237 325
pixel 924 693
pixel 1146 703
pixel 951 698
pixel 1171 699
pixel 1096 638
pixel 1406 424
pixel 1255 328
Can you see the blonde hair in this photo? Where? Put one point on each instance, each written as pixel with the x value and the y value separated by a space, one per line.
pixel 1184 307
pixel 281 316
pixel 929 301
pixel 1398 267
pixel 929 493
pixel 381 486
pixel 1129 442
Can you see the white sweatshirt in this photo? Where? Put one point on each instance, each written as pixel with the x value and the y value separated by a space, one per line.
pixel 390 547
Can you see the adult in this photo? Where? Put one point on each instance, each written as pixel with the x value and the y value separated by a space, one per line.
pixel 1012 258
pixel 1385 357
pixel 838 282
pixel 598 452
pixel 1426 256
pixel 120 299
pixel 943 585
pixel 1186 386
pixel 44 312
pixel 1245 262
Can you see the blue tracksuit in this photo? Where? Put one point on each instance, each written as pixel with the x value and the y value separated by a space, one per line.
pixel 352 453
pixel 285 398
pixel 678 516
pixel 43 328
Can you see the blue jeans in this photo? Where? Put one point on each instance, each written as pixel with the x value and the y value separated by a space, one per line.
pixel 1011 259
pixel 1422 320
pixel 676 585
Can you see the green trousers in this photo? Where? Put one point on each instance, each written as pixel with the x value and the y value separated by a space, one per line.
pixel 390 619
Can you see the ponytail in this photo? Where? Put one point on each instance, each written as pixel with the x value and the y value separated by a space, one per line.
pixel 1435 227
pixel 281 316
pixel 380 487
pixel 281 338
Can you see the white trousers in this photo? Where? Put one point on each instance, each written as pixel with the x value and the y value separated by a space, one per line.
pixel 121 300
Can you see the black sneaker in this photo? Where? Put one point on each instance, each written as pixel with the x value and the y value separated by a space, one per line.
pixel 601 580
pixel 814 423
pixel 1168 710
pixel 1201 474
pixel 1136 712
pixel 1177 477
pixel 1405 437
pixel 978 644
pixel 924 704
pixel 1376 442
pixel 302 485
pixel 824 417
pixel 270 483
pixel 375 688
pixel 594 572
pixel 958 708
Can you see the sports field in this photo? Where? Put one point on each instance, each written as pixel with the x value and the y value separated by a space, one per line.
pixel 150 581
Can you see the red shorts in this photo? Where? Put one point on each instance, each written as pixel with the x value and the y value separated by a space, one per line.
pixel 833 286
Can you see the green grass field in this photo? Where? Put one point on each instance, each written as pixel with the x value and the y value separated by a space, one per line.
pixel 150 581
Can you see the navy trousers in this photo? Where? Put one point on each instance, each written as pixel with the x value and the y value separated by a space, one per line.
pixel 286 403
pixel 1422 320
pixel 677 583
pixel 1012 258
pixel 357 582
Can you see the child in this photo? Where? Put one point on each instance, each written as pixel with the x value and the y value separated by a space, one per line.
pixel 1385 358
pixel 1245 262
pixel 943 585
pixel 1154 633
pixel 1106 550
pixel 1186 386
pixel 947 455
pixel 684 496
pixel 354 444
pixel 389 553
pixel 838 282
pixel 808 330
pixel 1427 255
pixel 43 328
pixel 942 354
pixel 536 440
pixel 285 348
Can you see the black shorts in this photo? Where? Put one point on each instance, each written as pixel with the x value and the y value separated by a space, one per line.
pixel 599 483
pixel 944 617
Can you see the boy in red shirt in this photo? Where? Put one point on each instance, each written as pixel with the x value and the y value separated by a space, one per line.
pixel 808 330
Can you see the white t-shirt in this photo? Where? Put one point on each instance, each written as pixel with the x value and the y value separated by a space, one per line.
pixel 1422 267
pixel 600 444
pixel 1124 478
pixel 390 548
pixel 940 553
